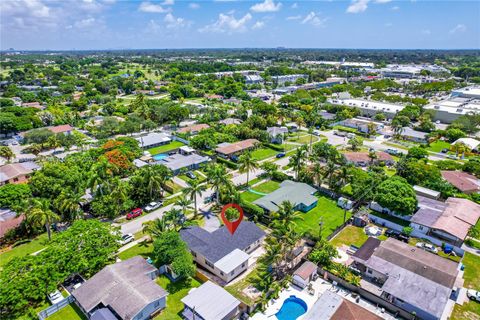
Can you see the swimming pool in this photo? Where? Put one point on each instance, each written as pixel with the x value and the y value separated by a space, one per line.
pixel 291 309
pixel 160 156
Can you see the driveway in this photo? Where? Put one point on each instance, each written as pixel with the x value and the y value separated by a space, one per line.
pixel 136 224
pixel 211 221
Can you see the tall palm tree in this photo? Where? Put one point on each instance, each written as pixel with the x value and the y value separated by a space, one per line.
pixel 119 191
pixel 329 172
pixel 69 205
pixel 195 189
pixel 40 214
pixel 247 164
pixel 174 217
pixel 155 227
pixel 7 153
pixel 217 176
pixel 99 173
pixel 185 204
pixel 317 171
pixel 300 122
pixel 152 179
pixel 297 160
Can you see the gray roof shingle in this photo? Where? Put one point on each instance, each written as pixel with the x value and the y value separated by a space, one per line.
pixel 295 192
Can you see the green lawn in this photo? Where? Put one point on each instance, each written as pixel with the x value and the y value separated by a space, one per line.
pixel 350 235
pixel 199 178
pixel 438 145
pixel 470 310
pixel 472 271
pixel 24 249
pixel 249 196
pixel 263 153
pixel 176 291
pixel 390 171
pixel 143 249
pixel 166 147
pixel 265 187
pixel 327 209
pixel 304 139
pixel 70 312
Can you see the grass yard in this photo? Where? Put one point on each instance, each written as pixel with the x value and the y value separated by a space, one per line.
pixel 166 147
pixel 328 210
pixel 249 196
pixel 263 153
pixel 237 288
pixel 24 249
pixel 143 249
pixel 200 178
pixel 390 171
pixel 70 312
pixel 350 235
pixel 438 145
pixel 304 139
pixel 472 271
pixel 265 187
pixel 176 291
pixel 469 310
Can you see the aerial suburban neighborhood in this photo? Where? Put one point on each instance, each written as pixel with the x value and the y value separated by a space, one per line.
pixel 218 184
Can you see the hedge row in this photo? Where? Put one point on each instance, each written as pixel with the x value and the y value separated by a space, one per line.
pixel 228 163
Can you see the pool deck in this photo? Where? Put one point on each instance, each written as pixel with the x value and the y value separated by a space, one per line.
pixel 320 286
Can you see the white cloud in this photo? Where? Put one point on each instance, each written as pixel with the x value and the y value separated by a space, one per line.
pixel 357 6
pixel 153 27
pixel 194 5
pixel 293 17
pixel 176 23
pixel 152 8
pixel 395 8
pixel 258 25
pixel 388 24
pixel 85 23
pixel 266 6
pixel 227 23
pixel 383 1
pixel 168 2
pixel 426 32
pixel 313 19
pixel 458 28
pixel 294 5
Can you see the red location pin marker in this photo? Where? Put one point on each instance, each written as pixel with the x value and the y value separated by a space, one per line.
pixel 232 225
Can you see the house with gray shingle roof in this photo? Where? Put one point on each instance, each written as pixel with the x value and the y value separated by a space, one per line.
pixel 221 253
pixel 125 289
pixel 298 193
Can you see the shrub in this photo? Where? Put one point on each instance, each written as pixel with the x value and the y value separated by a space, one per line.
pixel 228 163
pixel 279 176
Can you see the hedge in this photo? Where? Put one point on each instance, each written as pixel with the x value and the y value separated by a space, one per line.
pixel 276 147
pixel 228 163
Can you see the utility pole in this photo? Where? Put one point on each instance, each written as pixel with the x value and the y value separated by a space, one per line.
pixel 320 224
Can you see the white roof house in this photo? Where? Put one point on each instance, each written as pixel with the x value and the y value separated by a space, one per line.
pixel 153 139
pixel 471 143
pixel 210 302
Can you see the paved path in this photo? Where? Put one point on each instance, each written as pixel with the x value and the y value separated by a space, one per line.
pixel 182 183
pixel 132 244
pixel 135 225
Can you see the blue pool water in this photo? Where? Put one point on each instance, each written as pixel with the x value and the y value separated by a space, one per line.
pixel 160 156
pixel 291 309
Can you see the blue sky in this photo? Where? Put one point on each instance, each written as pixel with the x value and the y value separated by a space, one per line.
pixel 129 24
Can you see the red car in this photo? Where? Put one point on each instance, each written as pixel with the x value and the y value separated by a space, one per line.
pixel 134 213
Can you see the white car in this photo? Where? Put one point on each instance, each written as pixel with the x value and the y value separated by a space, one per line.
pixel 152 206
pixel 427 247
pixel 473 295
pixel 127 238
pixel 55 297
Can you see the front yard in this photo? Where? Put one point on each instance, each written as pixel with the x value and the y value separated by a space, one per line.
pixel 166 147
pixel 143 249
pixel 350 235
pixel 326 209
pixel 265 187
pixel 263 153
pixel 438 146
pixel 176 292
pixel 472 271
pixel 22 250
pixel 70 312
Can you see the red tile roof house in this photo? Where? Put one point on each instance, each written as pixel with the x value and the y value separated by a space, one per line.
pixel 463 181
pixel 194 129
pixel 8 221
pixel 66 129
pixel 17 172
pixel 362 159
pixel 231 149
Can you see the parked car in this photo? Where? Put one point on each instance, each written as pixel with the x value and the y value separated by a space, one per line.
pixel 403 237
pixel 153 205
pixel 316 132
pixel 473 295
pixel 427 247
pixel 392 233
pixel 452 156
pixel 126 238
pixel 55 297
pixel 191 175
pixel 209 198
pixel 280 155
pixel 444 150
pixel 134 213
pixel 392 152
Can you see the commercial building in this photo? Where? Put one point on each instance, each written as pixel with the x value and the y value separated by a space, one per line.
pixel 370 108
pixel 125 290
pixel 253 79
pixel 292 78
pixel 409 71
pixel 468 92
pixel 210 302
pixel 221 253
pixel 299 194
pixel 411 278
pixel 450 109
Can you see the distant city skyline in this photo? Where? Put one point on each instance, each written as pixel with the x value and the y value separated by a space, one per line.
pixel 170 24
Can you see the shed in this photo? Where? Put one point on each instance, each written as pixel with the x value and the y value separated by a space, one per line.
pixel 304 274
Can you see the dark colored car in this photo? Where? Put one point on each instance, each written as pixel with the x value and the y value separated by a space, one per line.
pixel 392 233
pixel 134 213
pixel 280 155
pixel 444 150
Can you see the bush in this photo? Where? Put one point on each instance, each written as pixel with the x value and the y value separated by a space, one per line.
pixel 252 210
pixel 228 163
pixel 276 147
pixel 279 176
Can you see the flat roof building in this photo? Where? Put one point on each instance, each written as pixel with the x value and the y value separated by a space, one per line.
pixel 370 108
pixel 450 109
pixel 153 139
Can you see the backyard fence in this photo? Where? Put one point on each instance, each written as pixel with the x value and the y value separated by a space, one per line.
pixel 55 308
pixel 175 138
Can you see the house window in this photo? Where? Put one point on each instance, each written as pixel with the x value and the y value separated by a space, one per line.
pixel 208 263
pixel 156 304
pixel 222 273
pixel 243 265
pixel 194 254
pixel 232 273
pixel 369 271
pixel 420 227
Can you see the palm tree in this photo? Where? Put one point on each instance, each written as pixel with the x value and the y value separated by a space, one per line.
pixel 185 204
pixel 195 189
pixel 35 149
pixel 298 159
pixel 7 153
pixel 317 171
pixel 174 217
pixel 460 148
pixel 247 164
pixel 397 128
pixel 119 192
pixel 152 179
pixel 310 131
pixel 155 227
pixel 69 204
pixel 53 142
pixel 300 122
pixel 40 214
pixel 286 214
pixel 329 172
pixel 99 173
pixel 217 176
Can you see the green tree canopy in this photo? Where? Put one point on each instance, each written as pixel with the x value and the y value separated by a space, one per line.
pixel 396 194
